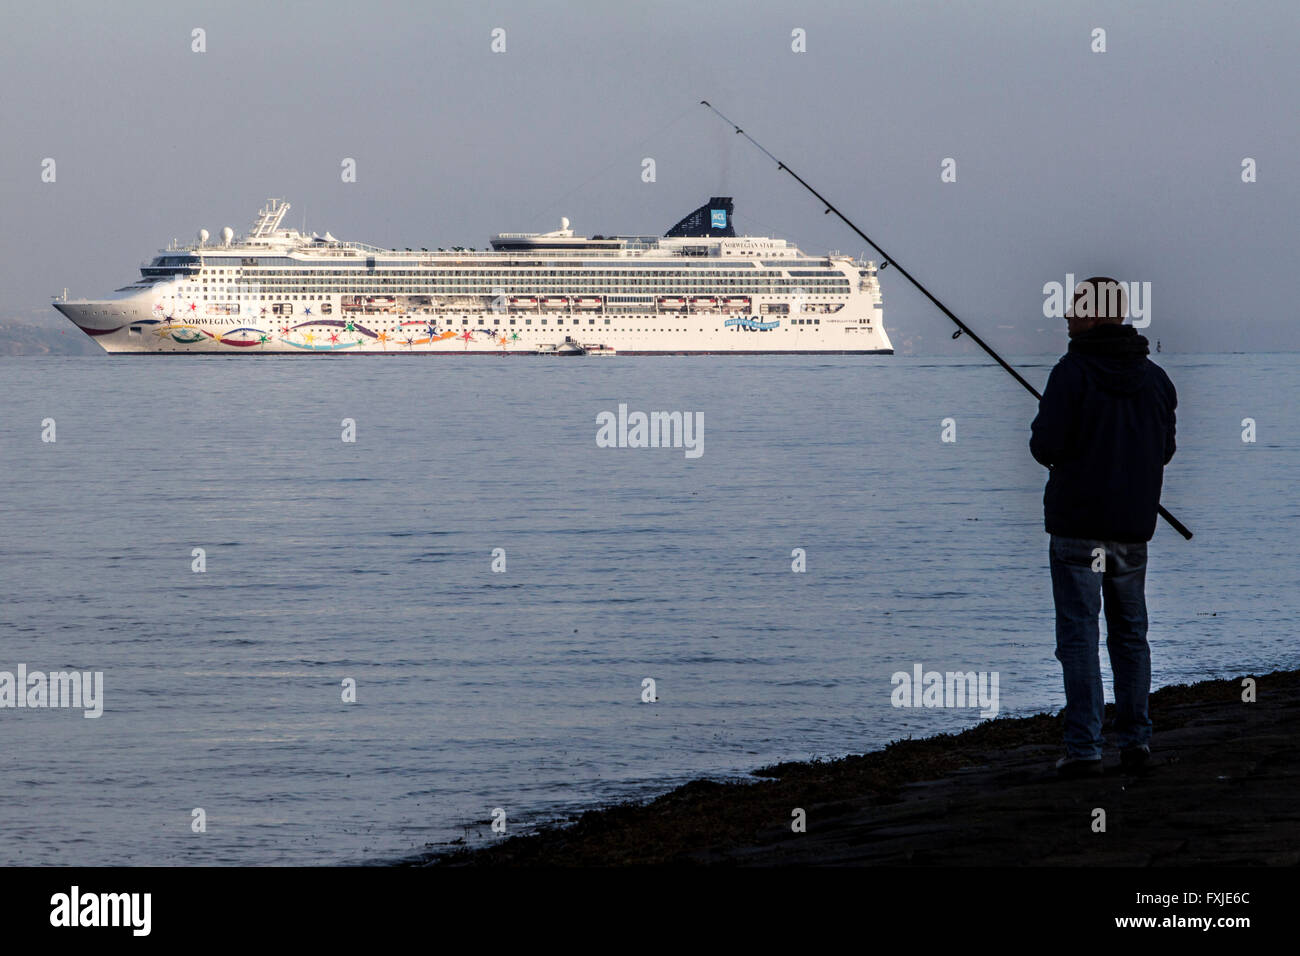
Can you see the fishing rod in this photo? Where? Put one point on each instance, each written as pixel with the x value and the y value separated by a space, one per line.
pixel 888 260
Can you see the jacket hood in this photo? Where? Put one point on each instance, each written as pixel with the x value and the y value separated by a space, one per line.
pixel 1113 356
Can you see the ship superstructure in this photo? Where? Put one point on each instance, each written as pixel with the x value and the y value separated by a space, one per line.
pixel 699 288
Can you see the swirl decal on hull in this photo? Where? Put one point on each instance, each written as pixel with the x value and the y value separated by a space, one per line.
pixel 433 334
pixel 329 340
pixel 240 338
pixel 311 346
pixel 333 324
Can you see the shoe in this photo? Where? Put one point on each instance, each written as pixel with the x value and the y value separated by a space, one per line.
pixel 1072 767
pixel 1134 759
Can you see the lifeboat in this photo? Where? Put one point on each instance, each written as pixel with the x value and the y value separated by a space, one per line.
pixel 567 347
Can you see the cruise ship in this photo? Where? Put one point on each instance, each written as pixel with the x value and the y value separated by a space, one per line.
pixel 697 289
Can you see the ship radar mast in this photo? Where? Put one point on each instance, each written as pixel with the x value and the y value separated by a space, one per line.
pixel 268 219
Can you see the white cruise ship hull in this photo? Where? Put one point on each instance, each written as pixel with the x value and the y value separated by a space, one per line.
pixel 142 331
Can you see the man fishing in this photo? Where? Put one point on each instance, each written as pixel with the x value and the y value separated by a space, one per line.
pixel 1105 428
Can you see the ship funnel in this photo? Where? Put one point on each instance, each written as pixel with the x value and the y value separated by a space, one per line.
pixel 712 220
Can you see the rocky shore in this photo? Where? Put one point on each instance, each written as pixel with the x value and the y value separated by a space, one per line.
pixel 1222 789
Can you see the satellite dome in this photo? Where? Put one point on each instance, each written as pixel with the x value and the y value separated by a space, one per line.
pixel 226 235
pixel 203 236
pixel 564 222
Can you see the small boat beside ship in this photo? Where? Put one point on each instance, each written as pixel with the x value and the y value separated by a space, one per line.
pixel 571 347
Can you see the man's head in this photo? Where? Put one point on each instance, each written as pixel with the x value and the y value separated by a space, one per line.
pixel 1097 301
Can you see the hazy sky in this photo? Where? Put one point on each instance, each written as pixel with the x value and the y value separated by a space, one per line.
pixel 1126 162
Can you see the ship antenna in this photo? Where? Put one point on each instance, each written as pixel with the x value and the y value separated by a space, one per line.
pixel 886 259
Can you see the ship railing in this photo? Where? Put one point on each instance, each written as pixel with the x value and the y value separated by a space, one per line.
pixel 341 247
pixel 341 244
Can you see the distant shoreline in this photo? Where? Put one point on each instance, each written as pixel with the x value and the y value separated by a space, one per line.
pixel 56 337
pixel 1222 789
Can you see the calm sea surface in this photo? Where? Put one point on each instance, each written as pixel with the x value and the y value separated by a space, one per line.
pixel 371 560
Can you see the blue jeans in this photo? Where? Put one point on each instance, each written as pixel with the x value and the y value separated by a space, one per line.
pixel 1078 590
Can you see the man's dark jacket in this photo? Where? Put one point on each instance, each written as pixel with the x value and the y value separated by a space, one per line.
pixel 1105 427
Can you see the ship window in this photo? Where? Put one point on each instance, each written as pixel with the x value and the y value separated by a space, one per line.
pixel 512 321
pixel 544 321
pixel 528 321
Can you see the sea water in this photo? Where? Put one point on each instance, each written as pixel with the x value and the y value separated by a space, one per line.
pixel 199 532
